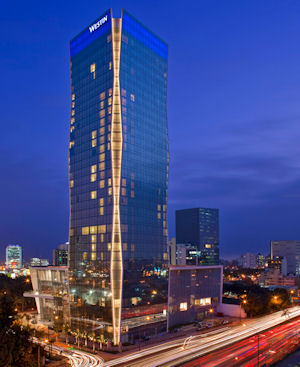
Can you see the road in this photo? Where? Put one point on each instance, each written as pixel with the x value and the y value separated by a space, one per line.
pixel 180 351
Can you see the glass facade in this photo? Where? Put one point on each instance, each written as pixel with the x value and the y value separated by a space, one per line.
pixel 118 173
pixel 14 257
pixel 200 227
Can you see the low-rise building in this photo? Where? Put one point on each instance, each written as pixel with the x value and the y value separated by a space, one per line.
pixel 193 291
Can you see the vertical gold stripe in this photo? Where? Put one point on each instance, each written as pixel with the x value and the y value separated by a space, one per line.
pixel 116 265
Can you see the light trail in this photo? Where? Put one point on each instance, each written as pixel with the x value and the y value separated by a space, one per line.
pixel 182 350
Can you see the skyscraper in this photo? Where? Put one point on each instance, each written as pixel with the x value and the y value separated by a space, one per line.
pixel 14 256
pixel 118 171
pixel 200 227
pixel 291 251
pixel 60 255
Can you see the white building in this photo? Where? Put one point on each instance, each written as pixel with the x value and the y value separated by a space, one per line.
pixel 14 257
pixel 248 260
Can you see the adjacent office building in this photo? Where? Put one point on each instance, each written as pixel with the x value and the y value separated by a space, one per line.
pixel 200 227
pixel 36 261
pixel 60 255
pixel 14 257
pixel 289 250
pixel 118 174
pixel 193 291
pixel 248 260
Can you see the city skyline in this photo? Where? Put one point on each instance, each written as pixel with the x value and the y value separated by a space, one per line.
pixel 239 153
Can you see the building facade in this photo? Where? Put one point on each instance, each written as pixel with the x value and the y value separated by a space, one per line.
pixel 248 261
pixel 118 172
pixel 60 255
pixel 14 257
pixel 200 227
pixel 291 251
pixel 36 261
pixel 193 290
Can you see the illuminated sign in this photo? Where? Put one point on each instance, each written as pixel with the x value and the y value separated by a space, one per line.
pixel 98 24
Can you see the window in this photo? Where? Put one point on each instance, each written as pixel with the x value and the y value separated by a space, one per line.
pixel 102 96
pixel 93 194
pixel 207 246
pixel 102 122
pixel 158 216
pixel 203 301
pixel 132 193
pixel 102 139
pixel 94 168
pixel 132 97
pixel 93 256
pixel 73 97
pixel 102 229
pixel 123 181
pixel 102 238
pixel 93 70
pixel 72 183
pixel 85 230
pixel 124 246
pixel 158 207
pixel 110 65
pixel 94 143
pixel 109 246
pixel 110 92
pixel 93 247
pixel 102 184
pixel 71 144
pixel 102 157
pixel 102 166
pixel 102 148
pixel 123 191
pixel 109 182
pixel 132 247
pixel 102 113
pixel 101 211
pixel 102 131
pixel 101 201
pixel 109 191
pixel 183 306
pixel 94 134
pixel 109 101
pixel 93 177
pixel 93 238
pixel 165 256
pixel 93 229
pixel 123 92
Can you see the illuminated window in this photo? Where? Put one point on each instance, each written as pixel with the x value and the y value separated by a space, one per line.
pixel 101 201
pixel 207 246
pixel 132 193
pixel 101 255
pixel 123 191
pixel 158 207
pixel 94 134
pixel 93 177
pixel 102 228
pixel 165 256
pixel 73 97
pixel 85 230
pixel 94 168
pixel 102 139
pixel 109 246
pixel 124 246
pixel 123 181
pixel 93 238
pixel 102 166
pixel 132 247
pixel 73 104
pixel 158 216
pixel 102 113
pixel 109 101
pixel 203 301
pixel 110 65
pixel 110 92
pixel 102 184
pixel 108 146
pixel 164 208
pixel 93 247
pixel 165 232
pixel 109 182
pixel 94 143
pixel 84 255
pixel 109 110
pixel 102 157
pixel 72 121
pixel 101 105
pixel 72 183
pixel 102 95
pixel 101 211
pixel 109 191
pixel 102 131
pixel 93 229
pixel 102 238
pixel 71 144
pixel 73 113
pixel 102 174
pixel 93 70
pixel 164 224
pixel 102 122
pixel 102 148
pixel 132 97
pixel 93 194
pixel 183 306
pixel 93 256
pixel 72 129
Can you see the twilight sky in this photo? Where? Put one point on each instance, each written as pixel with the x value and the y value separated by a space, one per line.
pixel 233 112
